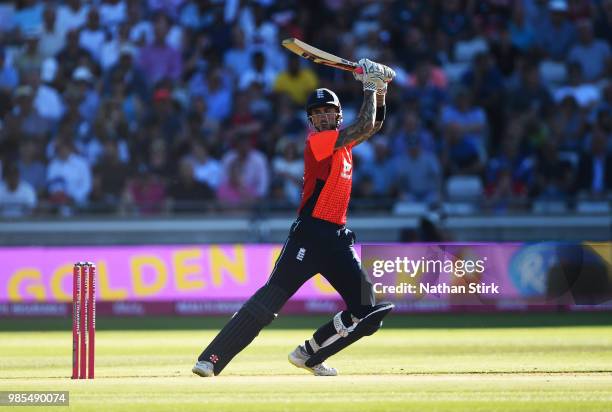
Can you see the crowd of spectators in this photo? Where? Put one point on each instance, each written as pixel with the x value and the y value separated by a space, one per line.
pixel 155 106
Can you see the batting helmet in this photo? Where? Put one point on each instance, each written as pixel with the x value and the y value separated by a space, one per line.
pixel 324 97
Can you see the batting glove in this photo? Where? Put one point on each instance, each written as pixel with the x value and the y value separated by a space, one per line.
pixel 374 75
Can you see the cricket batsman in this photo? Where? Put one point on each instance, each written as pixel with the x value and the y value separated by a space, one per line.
pixel 318 240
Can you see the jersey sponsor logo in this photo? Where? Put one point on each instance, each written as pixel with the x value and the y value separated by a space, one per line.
pixel 300 254
pixel 347 169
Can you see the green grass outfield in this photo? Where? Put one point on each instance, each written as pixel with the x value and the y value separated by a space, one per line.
pixel 517 362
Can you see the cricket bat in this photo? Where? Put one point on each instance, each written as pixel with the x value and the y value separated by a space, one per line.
pixel 319 56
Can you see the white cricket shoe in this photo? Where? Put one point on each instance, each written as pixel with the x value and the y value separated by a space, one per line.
pixel 298 358
pixel 204 369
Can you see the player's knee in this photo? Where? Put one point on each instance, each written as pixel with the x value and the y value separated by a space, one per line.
pixel 374 319
pixel 265 303
pixel 370 328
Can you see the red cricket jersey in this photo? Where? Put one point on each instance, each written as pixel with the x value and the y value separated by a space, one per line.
pixel 328 177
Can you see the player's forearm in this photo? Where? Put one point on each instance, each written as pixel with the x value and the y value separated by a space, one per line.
pixel 380 112
pixel 364 127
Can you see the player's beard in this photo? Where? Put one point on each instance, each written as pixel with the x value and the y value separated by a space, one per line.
pixel 324 121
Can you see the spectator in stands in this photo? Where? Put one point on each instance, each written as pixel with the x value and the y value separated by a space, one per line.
pixel 381 169
pixel 92 35
pixel 52 38
pixel 109 175
pixel 585 93
pixel 166 113
pixel 186 194
pixel 195 95
pixel 31 168
pixel 71 172
pixel 249 166
pixel 72 15
pixel 145 193
pixel 555 32
pixel 72 55
pixel 9 76
pixel 594 176
pixel 469 119
pixel 422 180
pixel 603 125
pixel 593 54
pixel 410 129
pixel 168 7
pixel 370 45
pixel 530 96
pixel 553 177
pixel 26 118
pixel 126 73
pixel 29 59
pixel 216 90
pixel 158 60
pixel 207 126
pixel 297 82
pixel 239 55
pixel 427 90
pixel 259 71
pixel 17 197
pixel 28 19
pixel 485 81
pixel 243 123
pixel 158 161
pixel 288 167
pixel 196 15
pixel 603 22
pixel 84 81
pixel 9 79
pixel 261 106
pixel 568 125
pixel 604 106
pixel 259 31
pixel 522 35
pixel 415 46
pixel 115 45
pixel 461 155
pixel 234 191
pixel 206 169
pixel 507 176
pixel 289 121
pixel 220 32
pixel 141 29
pixel 113 13
pixel 48 101
pixel 505 52
pixel 453 20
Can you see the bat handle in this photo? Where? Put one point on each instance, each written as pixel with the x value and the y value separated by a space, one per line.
pixel 359 70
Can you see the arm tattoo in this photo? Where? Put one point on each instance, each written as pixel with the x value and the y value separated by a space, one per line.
pixel 380 103
pixel 364 127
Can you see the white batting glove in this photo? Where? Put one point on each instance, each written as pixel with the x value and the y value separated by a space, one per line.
pixel 388 72
pixel 374 75
pixel 358 75
pixel 382 91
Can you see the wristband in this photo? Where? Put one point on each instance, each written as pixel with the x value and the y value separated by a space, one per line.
pixel 381 111
pixel 371 86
